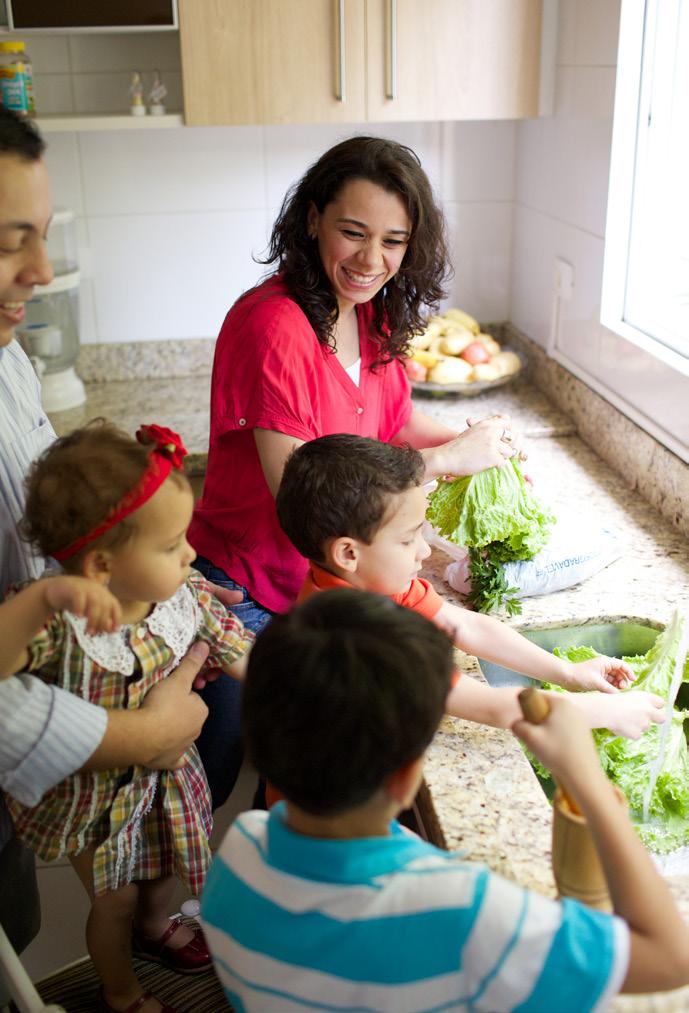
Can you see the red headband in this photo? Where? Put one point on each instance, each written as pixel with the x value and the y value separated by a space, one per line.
pixel 167 453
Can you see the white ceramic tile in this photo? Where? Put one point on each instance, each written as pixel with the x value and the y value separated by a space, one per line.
pixel 62 160
pixel 585 92
pixel 53 94
pixel 538 240
pixel 533 249
pixel 149 171
pixel 562 168
pixel 171 276
pixel 480 238
pixel 124 52
pixel 589 32
pixel 108 92
pixel 478 161
pixel 49 53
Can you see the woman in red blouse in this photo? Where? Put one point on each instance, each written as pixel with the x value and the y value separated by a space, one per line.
pixel 360 259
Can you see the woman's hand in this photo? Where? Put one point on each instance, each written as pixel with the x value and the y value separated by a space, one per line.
pixel 486 443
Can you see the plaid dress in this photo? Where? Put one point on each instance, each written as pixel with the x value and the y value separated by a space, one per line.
pixel 144 823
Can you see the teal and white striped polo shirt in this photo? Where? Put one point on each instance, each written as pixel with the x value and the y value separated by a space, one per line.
pixel 394 924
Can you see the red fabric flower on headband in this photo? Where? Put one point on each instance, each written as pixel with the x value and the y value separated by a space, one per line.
pixel 165 441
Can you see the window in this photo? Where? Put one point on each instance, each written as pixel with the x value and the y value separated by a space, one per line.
pixel 646 273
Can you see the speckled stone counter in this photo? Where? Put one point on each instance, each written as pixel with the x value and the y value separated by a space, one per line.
pixel 482 796
pixel 485 798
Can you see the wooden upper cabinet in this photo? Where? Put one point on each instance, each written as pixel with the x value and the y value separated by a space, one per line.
pixel 453 59
pixel 348 61
pixel 273 61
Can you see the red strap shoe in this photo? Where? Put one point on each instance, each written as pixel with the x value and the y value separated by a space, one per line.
pixel 192 958
pixel 105 1007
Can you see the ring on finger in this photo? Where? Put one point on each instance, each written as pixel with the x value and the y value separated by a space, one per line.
pixel 506 436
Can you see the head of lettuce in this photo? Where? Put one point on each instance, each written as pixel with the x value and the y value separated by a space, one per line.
pixel 497 516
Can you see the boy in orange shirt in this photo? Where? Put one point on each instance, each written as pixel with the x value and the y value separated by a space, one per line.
pixel 355 508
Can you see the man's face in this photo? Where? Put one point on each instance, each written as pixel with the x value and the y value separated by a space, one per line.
pixel 25 213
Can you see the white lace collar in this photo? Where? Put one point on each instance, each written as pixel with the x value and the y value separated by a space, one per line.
pixel 175 620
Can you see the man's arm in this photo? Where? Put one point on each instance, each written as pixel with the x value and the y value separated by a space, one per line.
pixel 46 733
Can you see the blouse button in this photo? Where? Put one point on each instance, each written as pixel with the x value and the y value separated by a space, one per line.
pixel 360 410
pixel 242 422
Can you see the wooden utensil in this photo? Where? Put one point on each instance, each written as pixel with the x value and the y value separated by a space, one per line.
pixel 536 708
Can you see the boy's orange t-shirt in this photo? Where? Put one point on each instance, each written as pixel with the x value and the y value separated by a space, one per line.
pixel 420 596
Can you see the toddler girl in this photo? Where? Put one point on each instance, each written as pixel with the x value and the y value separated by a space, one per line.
pixel 116 512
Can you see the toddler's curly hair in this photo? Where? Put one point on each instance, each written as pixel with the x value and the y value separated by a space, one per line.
pixel 80 479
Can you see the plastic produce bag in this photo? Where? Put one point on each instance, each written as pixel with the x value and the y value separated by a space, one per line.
pixel 568 560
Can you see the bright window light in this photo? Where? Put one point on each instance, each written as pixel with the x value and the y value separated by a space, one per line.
pixel 646 276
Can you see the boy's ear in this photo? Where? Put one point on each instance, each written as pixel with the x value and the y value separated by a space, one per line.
pixel 403 784
pixel 344 553
pixel 96 565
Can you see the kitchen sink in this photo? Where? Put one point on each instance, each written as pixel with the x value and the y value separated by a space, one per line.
pixel 623 637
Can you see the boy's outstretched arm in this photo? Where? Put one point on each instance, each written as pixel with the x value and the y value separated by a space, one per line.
pixel 474 701
pixel 23 615
pixel 659 957
pixel 487 637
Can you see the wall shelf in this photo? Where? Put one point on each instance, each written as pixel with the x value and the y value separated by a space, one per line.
pixel 115 121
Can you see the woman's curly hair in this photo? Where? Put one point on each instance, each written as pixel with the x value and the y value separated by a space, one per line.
pixel 419 283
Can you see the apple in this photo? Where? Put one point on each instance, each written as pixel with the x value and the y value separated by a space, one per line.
pixel 475 353
pixel 414 370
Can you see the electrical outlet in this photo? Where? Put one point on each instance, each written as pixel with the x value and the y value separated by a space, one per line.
pixel 564 280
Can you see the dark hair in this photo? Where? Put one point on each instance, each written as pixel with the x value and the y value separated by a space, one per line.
pixel 341 692
pixel 77 482
pixel 341 485
pixel 19 137
pixel 420 280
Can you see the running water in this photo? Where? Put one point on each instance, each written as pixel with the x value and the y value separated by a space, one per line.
pixel 665 728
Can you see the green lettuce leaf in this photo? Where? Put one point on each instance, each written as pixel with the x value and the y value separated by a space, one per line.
pixel 630 763
pixel 496 515
pixel 494 508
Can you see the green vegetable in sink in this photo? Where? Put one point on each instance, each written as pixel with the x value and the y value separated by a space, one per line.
pixel 630 763
pixel 498 517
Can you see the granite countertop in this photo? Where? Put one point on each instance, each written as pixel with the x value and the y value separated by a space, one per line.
pixel 480 795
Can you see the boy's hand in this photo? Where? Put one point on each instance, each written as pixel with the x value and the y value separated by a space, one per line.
pixel 562 742
pixel 631 714
pixel 86 598
pixel 604 674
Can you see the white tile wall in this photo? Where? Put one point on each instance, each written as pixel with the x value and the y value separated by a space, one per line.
pixel 561 180
pixel 169 220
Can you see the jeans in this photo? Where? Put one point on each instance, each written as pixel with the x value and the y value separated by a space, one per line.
pixel 220 741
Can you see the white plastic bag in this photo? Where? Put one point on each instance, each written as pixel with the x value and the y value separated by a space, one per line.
pixel 569 558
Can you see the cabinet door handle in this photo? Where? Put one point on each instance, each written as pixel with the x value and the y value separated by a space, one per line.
pixel 391 90
pixel 341 82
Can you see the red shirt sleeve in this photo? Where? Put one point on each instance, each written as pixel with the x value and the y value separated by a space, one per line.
pixel 264 369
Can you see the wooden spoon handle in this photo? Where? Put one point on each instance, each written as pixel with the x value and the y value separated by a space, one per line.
pixel 536 708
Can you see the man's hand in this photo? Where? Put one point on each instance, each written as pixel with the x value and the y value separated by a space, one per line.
pixel 175 713
pixel 83 597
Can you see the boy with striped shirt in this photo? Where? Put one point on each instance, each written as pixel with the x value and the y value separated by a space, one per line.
pixel 327 902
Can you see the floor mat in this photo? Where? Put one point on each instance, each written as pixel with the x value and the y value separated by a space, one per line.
pixel 75 988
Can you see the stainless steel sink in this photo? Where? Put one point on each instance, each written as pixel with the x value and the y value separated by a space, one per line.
pixel 622 637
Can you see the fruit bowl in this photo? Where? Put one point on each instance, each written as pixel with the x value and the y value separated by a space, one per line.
pixel 469 389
